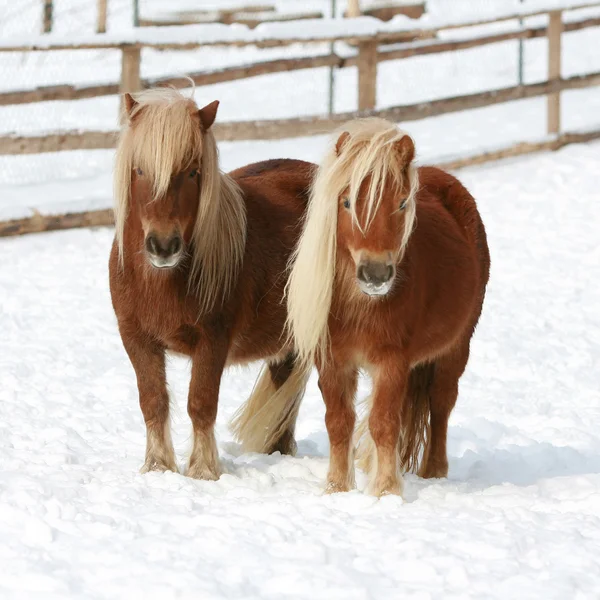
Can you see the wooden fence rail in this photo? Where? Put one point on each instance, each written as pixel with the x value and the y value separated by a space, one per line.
pixel 368 56
pixel 370 41
pixel 104 217
pixel 303 126
pixel 201 78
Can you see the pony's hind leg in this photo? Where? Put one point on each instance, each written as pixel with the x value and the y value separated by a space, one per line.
pixel 148 360
pixel 444 392
pixel 389 393
pixel 280 373
pixel 338 388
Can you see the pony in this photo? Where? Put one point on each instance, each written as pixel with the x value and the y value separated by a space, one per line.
pixel 198 267
pixel 389 277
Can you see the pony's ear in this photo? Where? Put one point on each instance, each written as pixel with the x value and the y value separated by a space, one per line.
pixel 130 103
pixel 208 114
pixel 341 141
pixel 405 148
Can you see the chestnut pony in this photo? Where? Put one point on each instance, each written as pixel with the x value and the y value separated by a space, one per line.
pixel 389 276
pixel 198 267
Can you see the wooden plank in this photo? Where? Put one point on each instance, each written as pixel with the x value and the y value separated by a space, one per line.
pixel 102 13
pixel 367 75
pixel 435 47
pixel 520 149
pixel 98 218
pixel 382 36
pixel 353 8
pixel 298 127
pixel 250 19
pixel 273 129
pixel 554 56
pixel 68 92
pixel 40 223
pixel 56 142
pixel 387 12
pixel 130 71
pixel 47 17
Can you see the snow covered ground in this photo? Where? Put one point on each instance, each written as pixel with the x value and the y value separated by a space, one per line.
pixel 518 517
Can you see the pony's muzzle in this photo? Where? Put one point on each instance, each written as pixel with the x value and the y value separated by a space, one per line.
pixel 164 252
pixel 375 278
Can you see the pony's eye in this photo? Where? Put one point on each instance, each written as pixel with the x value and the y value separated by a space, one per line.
pixel 403 205
pixel 139 171
pixel 346 202
pixel 193 173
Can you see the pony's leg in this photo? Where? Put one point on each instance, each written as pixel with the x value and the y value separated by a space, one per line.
pixel 208 363
pixel 389 391
pixel 280 372
pixel 444 392
pixel 148 360
pixel 338 387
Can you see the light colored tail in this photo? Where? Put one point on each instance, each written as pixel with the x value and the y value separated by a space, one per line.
pixel 269 412
pixel 414 432
pixel 366 453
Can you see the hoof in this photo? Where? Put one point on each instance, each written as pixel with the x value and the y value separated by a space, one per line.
pixel 158 466
pixel 388 487
pixel 286 444
pixel 333 487
pixel 434 471
pixel 204 472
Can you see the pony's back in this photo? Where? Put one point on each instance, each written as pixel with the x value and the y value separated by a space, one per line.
pixel 461 205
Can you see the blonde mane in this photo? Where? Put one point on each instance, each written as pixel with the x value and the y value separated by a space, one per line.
pixel 369 150
pixel 163 136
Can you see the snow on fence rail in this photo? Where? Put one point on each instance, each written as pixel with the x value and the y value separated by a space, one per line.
pixel 104 217
pixel 411 38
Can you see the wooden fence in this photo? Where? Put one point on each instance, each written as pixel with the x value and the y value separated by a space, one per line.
pixel 372 40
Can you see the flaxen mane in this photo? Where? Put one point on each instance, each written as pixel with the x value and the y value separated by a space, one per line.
pixel 163 136
pixel 369 150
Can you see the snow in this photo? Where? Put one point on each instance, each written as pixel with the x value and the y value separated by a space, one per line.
pixel 518 517
pixel 59 182
pixel 304 30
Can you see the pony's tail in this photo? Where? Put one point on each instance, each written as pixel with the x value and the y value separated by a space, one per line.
pixel 270 412
pixel 415 425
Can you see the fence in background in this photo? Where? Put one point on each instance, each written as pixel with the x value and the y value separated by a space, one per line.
pixel 378 44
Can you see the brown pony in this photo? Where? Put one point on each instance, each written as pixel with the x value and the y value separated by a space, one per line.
pixel 198 267
pixel 389 276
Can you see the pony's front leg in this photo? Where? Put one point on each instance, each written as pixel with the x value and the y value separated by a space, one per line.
pixel 148 360
pixel 390 380
pixel 208 363
pixel 338 388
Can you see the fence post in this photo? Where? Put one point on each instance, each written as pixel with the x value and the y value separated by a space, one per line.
pixel 367 75
pixel 102 11
pixel 353 8
pixel 554 55
pixel 47 17
pixel 130 70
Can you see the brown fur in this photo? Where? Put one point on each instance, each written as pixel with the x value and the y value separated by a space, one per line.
pixel 415 340
pixel 413 337
pixel 158 309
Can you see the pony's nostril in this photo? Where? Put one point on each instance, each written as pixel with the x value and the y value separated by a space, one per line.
pixel 151 244
pixel 363 274
pixel 175 245
pixel 390 272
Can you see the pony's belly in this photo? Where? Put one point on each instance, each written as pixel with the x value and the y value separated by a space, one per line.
pixel 246 351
